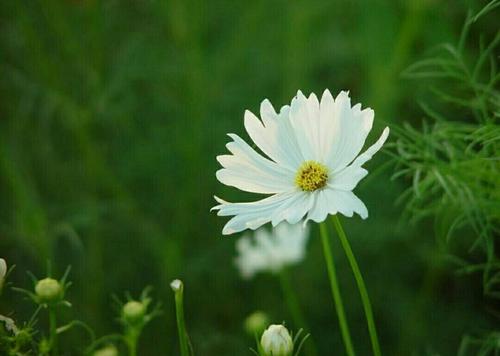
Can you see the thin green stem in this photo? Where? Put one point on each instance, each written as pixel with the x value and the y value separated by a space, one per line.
pixel 337 299
pixel 53 331
pixel 131 339
pixel 295 310
pixel 365 299
pixel 181 325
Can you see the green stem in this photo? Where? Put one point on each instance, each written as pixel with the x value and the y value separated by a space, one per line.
pixel 295 310
pixel 337 299
pixel 365 299
pixel 131 339
pixel 181 325
pixel 53 331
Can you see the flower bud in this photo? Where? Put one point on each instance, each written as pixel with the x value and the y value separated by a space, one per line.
pixel 133 311
pixel 176 285
pixel 49 290
pixel 109 350
pixel 256 323
pixel 276 341
pixel 3 272
pixel 23 337
pixel 44 347
pixel 3 268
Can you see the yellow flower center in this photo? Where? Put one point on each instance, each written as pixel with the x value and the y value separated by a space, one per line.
pixel 311 176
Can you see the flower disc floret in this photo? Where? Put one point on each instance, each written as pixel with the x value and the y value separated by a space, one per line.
pixel 311 176
pixel 49 290
pixel 134 311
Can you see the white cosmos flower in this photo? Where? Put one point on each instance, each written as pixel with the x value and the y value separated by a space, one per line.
pixel 271 251
pixel 313 162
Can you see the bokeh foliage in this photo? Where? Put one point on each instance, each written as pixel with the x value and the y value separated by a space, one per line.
pixel 112 114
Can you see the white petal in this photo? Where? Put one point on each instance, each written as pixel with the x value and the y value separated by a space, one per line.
pixel 286 139
pixel 267 112
pixel 330 201
pixel 348 203
pixel 304 127
pixel 314 122
pixel 321 207
pixel 255 214
pixel 327 129
pixel 368 154
pixel 243 175
pixel 267 139
pixel 348 178
pixel 249 171
pixel 347 130
pixel 294 209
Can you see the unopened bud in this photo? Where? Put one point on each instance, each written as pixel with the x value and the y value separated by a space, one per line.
pixel 3 268
pixel 3 272
pixel 109 350
pixel 256 323
pixel 176 285
pixel 276 341
pixel 23 337
pixel 44 347
pixel 49 290
pixel 134 311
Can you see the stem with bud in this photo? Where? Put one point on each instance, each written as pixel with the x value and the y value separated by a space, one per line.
pixel 178 288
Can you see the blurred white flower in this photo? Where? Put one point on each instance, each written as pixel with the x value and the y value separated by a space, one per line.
pixel 271 251
pixel 313 163
pixel 276 341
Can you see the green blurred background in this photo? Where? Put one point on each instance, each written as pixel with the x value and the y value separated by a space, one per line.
pixel 112 113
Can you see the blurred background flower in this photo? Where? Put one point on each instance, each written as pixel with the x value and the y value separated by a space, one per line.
pixel 271 250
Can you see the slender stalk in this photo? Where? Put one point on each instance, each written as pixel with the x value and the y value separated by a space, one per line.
pixel 337 299
pixel 295 310
pixel 365 299
pixel 181 325
pixel 53 331
pixel 131 339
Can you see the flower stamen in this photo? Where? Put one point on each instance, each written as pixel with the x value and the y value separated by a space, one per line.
pixel 311 176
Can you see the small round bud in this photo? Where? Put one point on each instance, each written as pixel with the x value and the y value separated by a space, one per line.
pixel 3 272
pixel 109 350
pixel 3 268
pixel 44 347
pixel 256 323
pixel 49 290
pixel 276 341
pixel 176 285
pixel 134 311
pixel 23 337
